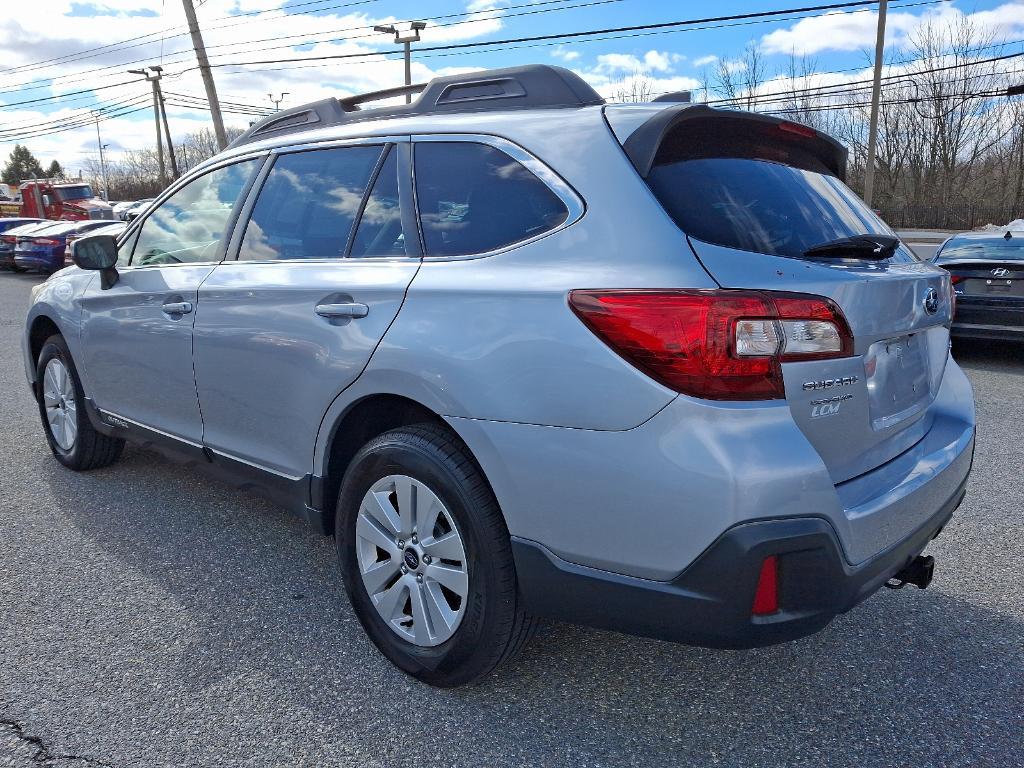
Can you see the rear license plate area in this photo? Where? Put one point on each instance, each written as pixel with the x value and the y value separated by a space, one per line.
pixel 897 378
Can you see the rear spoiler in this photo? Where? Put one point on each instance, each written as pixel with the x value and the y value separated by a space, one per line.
pixel 642 145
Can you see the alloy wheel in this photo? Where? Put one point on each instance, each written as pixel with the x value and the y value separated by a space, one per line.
pixel 412 560
pixel 59 404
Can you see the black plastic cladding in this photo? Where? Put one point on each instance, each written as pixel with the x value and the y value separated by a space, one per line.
pixel 529 87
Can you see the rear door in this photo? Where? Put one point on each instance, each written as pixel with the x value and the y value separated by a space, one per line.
pixel 322 268
pixel 753 196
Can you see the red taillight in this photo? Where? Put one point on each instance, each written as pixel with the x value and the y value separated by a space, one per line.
pixel 957 279
pixel 766 596
pixel 9 239
pixel 716 344
pixel 45 241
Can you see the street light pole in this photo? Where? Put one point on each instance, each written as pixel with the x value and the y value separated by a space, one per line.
pixel 406 40
pixel 277 102
pixel 876 90
pixel 156 120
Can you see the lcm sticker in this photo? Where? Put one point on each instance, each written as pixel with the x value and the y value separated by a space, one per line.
pixel 828 406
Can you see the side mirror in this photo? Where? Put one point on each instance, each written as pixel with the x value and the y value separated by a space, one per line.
pixel 97 252
pixel 47 201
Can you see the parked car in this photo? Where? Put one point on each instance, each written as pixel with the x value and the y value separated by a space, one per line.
pixel 111 230
pixel 9 239
pixel 136 209
pixel 20 221
pixel 654 369
pixel 120 208
pixel 43 249
pixel 987 270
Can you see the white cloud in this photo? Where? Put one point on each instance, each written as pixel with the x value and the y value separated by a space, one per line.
pixel 855 31
pixel 45 30
pixel 565 54
pixel 703 61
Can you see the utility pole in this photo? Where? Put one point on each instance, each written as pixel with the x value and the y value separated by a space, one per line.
pixel 876 91
pixel 156 119
pixel 406 40
pixel 103 162
pixel 204 70
pixel 167 127
pixel 277 102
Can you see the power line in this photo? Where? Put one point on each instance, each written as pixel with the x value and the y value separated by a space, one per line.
pixel 151 36
pixel 571 35
pixel 184 54
pixel 548 43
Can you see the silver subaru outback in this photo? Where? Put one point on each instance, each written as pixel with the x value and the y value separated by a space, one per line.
pixel 652 368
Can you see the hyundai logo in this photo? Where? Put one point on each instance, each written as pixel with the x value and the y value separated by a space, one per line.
pixel 1000 272
pixel 931 301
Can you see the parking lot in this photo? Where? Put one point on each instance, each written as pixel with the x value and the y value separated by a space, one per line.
pixel 149 616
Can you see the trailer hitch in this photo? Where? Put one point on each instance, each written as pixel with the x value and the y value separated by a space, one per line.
pixel 918 572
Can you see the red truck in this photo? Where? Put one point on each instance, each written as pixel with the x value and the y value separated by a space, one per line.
pixel 57 200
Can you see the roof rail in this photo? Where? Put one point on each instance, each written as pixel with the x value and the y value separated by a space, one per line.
pixel 534 86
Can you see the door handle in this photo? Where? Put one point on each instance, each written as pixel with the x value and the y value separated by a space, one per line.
pixel 351 309
pixel 177 307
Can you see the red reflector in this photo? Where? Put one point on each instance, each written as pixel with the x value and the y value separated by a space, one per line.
pixel 45 241
pixel 798 129
pixel 687 339
pixel 766 597
pixel 957 279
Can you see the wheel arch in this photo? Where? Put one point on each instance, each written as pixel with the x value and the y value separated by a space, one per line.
pixel 41 328
pixel 359 423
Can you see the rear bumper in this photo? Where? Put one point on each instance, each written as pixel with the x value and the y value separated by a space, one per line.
pixel 709 604
pixel 46 262
pixel 989 318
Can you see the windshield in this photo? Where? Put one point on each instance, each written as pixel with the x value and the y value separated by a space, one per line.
pixel 1002 249
pixel 77 192
pixel 761 205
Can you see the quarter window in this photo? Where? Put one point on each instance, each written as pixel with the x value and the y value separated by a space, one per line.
pixel 380 227
pixel 308 204
pixel 474 198
pixel 190 225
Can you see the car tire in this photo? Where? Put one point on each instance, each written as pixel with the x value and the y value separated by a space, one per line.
pixel 448 641
pixel 71 436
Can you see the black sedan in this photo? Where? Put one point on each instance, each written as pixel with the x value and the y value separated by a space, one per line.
pixel 988 280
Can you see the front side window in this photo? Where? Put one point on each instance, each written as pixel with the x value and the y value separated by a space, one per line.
pixel 473 198
pixel 190 224
pixel 308 204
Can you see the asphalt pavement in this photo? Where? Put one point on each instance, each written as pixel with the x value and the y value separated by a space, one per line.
pixel 152 617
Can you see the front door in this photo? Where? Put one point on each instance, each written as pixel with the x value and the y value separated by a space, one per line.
pixel 137 334
pixel 322 269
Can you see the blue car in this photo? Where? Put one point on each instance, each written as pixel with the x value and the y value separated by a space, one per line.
pixel 9 239
pixel 43 249
pixel 11 223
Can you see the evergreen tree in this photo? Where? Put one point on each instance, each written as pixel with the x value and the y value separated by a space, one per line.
pixel 54 171
pixel 21 165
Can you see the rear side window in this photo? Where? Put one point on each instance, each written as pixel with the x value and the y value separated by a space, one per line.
pixel 306 208
pixel 473 198
pixel 380 227
pixel 758 196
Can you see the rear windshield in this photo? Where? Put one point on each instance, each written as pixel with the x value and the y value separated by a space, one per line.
pixel 1002 249
pixel 757 204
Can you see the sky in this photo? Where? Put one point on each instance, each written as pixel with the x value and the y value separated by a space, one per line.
pixel 60 59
